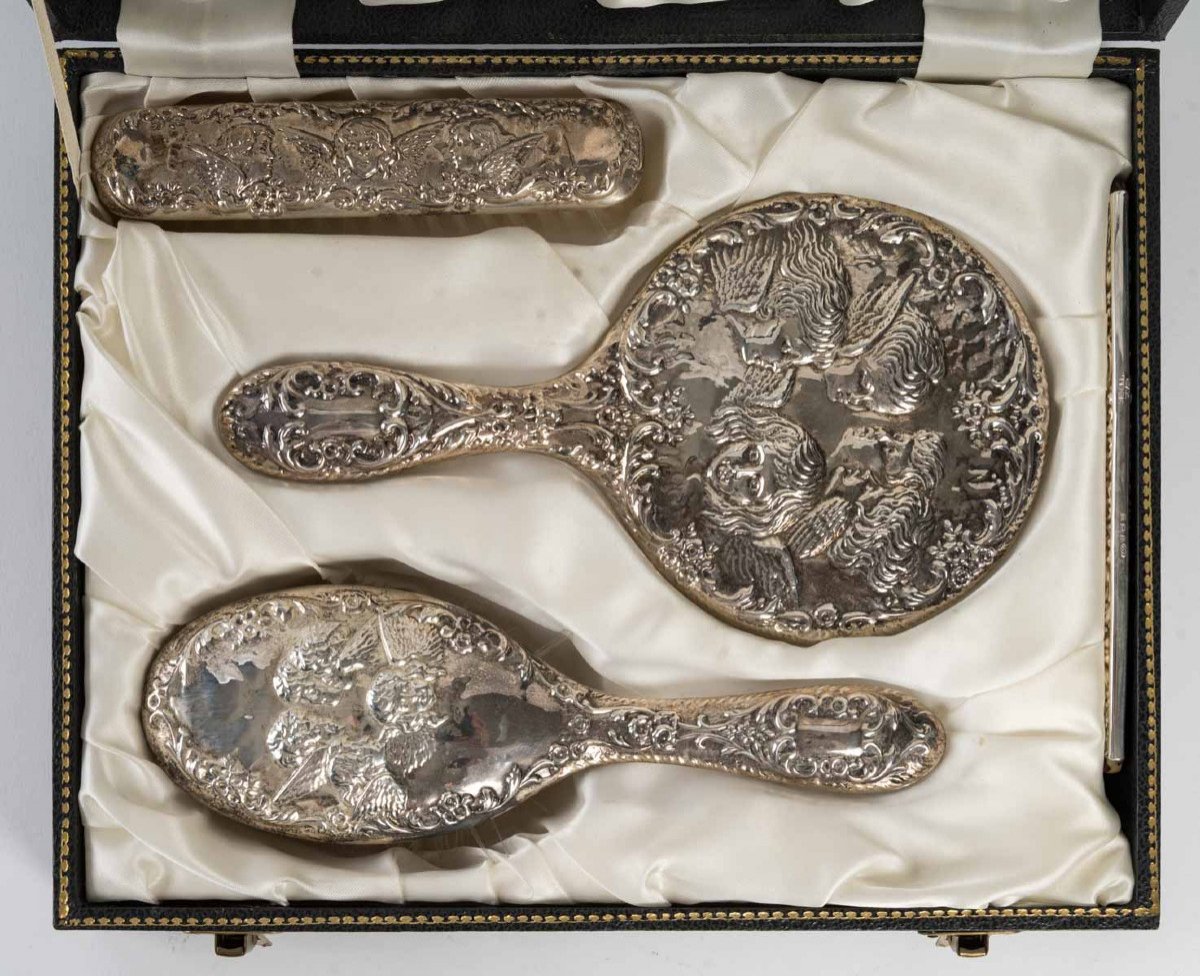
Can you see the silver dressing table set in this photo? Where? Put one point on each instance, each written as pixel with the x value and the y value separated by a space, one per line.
pixel 819 416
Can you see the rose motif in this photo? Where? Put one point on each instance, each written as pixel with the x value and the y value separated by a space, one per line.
pixel 972 410
pixel 678 275
pixel 957 558
pixel 638 729
pixel 454 807
pixel 826 615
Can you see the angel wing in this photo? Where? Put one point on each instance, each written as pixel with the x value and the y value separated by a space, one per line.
pixel 742 273
pixel 296 734
pixel 311 776
pixel 820 527
pixel 360 774
pixel 248 142
pixel 766 570
pixel 309 673
pixel 380 800
pixel 406 639
pixel 212 174
pixel 483 135
pixel 507 167
pixel 872 311
pixel 411 149
pixel 360 651
pixel 314 154
pixel 762 386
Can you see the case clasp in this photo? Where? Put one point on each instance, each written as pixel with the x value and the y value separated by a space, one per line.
pixel 965 945
pixel 234 945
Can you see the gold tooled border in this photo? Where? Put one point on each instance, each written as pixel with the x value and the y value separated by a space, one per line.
pixel 66 839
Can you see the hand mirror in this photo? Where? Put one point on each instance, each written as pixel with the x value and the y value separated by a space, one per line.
pixel 819 416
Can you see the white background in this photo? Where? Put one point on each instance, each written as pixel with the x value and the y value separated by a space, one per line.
pixel 26 858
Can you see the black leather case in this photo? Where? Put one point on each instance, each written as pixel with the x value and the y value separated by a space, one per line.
pixel 331 23
pixel 670 40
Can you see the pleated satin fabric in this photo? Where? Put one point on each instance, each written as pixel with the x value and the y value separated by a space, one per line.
pixel 979 40
pixel 207 38
pixel 171 526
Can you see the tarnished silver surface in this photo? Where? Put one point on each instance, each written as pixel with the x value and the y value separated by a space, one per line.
pixel 820 416
pixel 362 715
pixel 345 159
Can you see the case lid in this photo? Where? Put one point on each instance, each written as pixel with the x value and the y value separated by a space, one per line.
pixel 585 23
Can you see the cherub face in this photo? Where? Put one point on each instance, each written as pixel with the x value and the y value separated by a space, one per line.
pixel 852 386
pixel 743 473
pixel 396 697
pixel 765 472
pixel 869 456
pixel 363 143
pixel 873 385
pixel 248 143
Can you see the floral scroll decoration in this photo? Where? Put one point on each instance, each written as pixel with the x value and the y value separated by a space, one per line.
pixel 365 158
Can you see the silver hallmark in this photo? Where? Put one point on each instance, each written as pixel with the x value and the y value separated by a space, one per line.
pixel 820 416
pixel 346 159
pixel 355 714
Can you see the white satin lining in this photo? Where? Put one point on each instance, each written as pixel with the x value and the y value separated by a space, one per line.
pixel 170 526
pixel 978 40
pixel 207 38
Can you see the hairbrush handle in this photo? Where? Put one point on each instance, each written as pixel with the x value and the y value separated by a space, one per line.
pixel 361 159
pixel 845 738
